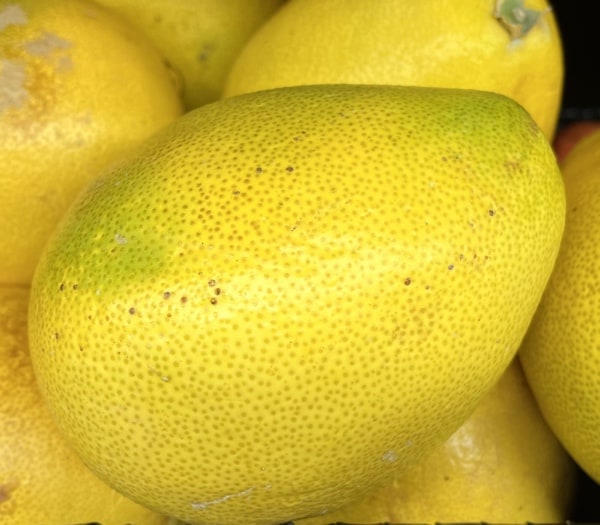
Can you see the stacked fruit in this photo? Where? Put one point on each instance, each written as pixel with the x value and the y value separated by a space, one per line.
pixel 307 260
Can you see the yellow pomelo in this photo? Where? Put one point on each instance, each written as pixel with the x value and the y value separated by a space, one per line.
pixel 289 296
pixel 42 481
pixel 504 465
pixel 501 46
pixel 560 354
pixel 78 87
pixel 200 38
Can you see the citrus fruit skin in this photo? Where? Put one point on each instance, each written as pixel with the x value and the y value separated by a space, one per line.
pixel 41 479
pixel 560 352
pixel 403 42
pixel 568 136
pixel 79 89
pixel 287 297
pixel 200 38
pixel 503 465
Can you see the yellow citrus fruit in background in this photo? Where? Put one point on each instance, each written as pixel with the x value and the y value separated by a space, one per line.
pixel 288 297
pixel 560 353
pixel 504 465
pixel 200 38
pixel 78 88
pixel 470 44
pixel 41 478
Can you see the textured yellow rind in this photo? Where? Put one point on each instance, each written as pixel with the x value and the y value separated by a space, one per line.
pixel 290 296
pixel 409 43
pixel 78 89
pixel 42 481
pixel 560 354
pixel 504 465
pixel 199 38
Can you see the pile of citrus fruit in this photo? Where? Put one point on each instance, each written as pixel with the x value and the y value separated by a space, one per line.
pixel 309 261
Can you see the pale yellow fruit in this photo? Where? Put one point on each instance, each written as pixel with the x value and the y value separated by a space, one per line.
pixel 458 44
pixel 78 88
pixel 200 38
pixel 560 353
pixel 504 465
pixel 290 296
pixel 42 481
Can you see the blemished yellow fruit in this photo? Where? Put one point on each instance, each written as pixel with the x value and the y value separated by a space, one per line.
pixel 200 38
pixel 41 479
pixel 78 89
pixel 288 297
pixel 504 465
pixel 559 354
pixel 501 46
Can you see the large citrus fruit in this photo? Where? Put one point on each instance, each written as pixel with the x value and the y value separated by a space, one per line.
pixel 289 296
pixel 508 46
pixel 78 88
pixel 561 353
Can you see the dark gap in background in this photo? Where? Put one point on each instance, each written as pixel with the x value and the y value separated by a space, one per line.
pixel 579 26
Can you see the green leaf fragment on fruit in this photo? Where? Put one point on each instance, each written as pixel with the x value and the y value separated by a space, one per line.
pixel 517 19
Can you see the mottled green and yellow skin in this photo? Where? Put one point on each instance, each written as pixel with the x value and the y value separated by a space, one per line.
pixel 287 297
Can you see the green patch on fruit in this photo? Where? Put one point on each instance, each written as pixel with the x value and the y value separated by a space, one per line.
pixel 111 255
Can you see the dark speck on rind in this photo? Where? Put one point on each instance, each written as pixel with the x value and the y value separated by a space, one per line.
pixel 206 52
